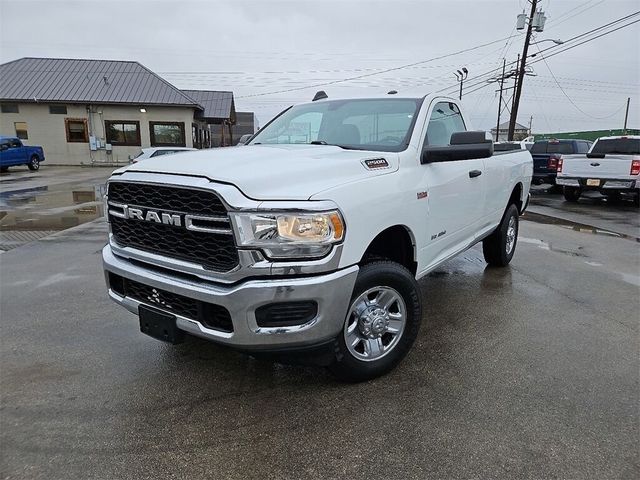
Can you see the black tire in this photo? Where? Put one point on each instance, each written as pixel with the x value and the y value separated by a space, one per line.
pixel 34 163
pixel 499 247
pixel 392 276
pixel 4 169
pixel 571 194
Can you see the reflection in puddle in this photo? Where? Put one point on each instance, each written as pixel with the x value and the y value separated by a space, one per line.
pixel 578 227
pixel 50 208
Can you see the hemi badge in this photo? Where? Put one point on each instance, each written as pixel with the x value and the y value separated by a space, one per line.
pixel 422 195
pixel 376 163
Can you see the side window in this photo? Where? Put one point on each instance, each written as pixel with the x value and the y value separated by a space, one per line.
pixel 445 120
pixel 4 146
pixel 14 143
pixel 583 147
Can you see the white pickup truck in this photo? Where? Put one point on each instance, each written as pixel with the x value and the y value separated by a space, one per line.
pixel 310 239
pixel 612 167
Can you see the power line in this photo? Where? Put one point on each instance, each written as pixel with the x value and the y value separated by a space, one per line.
pixel 561 48
pixel 324 84
pixel 577 13
pixel 570 99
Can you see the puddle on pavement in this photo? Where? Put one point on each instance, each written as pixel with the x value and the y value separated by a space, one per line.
pixel 578 227
pixel 50 208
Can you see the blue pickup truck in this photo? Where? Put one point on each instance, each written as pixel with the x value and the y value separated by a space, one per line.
pixel 546 154
pixel 13 152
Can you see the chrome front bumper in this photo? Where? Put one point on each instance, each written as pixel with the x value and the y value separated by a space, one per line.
pixel 331 291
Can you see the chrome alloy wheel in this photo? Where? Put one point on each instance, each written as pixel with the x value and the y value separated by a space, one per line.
pixel 511 235
pixel 375 323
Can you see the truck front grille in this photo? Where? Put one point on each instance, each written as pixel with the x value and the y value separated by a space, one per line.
pixel 214 249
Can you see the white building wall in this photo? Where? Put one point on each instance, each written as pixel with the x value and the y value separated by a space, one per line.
pixel 48 130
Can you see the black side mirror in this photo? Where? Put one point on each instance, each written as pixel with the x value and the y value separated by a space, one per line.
pixel 462 146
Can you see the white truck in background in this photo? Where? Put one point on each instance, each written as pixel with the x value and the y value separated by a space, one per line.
pixel 310 239
pixel 611 167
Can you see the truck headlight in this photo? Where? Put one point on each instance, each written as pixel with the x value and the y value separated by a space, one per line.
pixel 289 234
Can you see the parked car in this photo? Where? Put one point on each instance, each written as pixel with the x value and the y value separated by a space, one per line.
pixel 313 248
pixel 13 153
pixel 612 167
pixel 152 152
pixel 245 138
pixel 547 153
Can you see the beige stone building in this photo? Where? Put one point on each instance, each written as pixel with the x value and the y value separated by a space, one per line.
pixel 92 112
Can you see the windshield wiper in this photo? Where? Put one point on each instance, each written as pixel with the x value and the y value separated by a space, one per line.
pixel 344 147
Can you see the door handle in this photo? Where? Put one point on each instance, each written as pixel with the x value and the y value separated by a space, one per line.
pixel 474 173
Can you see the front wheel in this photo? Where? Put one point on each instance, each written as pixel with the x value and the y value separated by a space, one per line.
pixel 381 325
pixel 499 247
pixel 34 163
pixel 571 194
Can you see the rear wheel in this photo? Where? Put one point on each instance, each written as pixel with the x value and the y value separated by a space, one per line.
pixel 499 247
pixel 571 194
pixel 34 163
pixel 381 325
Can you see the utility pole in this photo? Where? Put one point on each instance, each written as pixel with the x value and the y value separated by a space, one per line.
pixel 530 123
pixel 513 96
pixel 523 62
pixel 626 116
pixel 504 65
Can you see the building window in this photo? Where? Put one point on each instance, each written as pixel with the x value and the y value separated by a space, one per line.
pixel 21 130
pixel 121 132
pixel 76 129
pixel 58 109
pixel 9 108
pixel 167 134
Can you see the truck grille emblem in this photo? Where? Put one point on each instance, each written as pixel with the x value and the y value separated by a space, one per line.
pixel 153 216
pixel 155 298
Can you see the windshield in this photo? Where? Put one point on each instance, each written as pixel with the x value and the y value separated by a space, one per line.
pixel 380 124
pixel 624 146
pixel 552 147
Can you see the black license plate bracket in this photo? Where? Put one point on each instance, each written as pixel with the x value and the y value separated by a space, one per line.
pixel 159 325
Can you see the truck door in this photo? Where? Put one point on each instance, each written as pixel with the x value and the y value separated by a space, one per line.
pixel 13 154
pixel 454 188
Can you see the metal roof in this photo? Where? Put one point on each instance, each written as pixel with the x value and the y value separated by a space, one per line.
pixel 86 81
pixel 216 104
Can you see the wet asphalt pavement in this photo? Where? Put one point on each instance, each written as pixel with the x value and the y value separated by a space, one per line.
pixel 524 372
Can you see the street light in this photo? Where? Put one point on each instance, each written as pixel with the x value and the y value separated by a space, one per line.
pixel 557 42
pixel 461 76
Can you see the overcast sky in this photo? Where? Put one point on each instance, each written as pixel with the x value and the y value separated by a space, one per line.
pixel 255 48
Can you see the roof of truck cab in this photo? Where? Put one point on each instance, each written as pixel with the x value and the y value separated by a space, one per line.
pixel 618 137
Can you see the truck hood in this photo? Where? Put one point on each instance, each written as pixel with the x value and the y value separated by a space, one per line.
pixel 274 172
